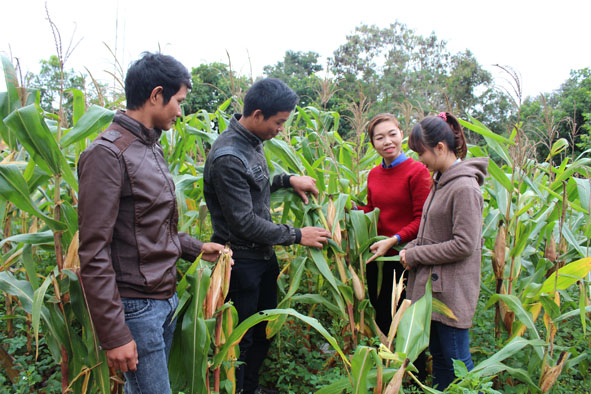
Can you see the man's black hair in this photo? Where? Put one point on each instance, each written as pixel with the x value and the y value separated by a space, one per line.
pixel 270 95
pixel 151 70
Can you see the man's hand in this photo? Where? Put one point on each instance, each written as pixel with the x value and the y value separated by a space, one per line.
pixel 314 236
pixel 123 358
pixel 211 250
pixel 382 247
pixel 302 185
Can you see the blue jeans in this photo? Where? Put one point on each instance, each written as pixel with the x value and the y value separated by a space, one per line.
pixel 447 343
pixel 151 325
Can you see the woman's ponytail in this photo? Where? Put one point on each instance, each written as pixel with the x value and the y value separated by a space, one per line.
pixel 460 140
pixel 441 128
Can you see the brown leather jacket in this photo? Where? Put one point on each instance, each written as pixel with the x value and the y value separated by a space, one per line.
pixel 128 217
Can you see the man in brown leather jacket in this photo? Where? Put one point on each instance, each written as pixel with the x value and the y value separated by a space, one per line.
pixel 128 217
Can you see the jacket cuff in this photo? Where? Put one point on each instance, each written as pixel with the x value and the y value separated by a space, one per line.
pixel 408 255
pixel 285 180
pixel 114 343
pixel 190 247
pixel 298 235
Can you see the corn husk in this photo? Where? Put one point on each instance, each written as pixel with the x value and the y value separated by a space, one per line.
pixel 358 287
pixel 341 268
pixel 72 261
pixel 396 382
pixel 396 321
pixel 330 214
pixel 550 252
pixel 550 374
pixel 498 257
pixel 218 285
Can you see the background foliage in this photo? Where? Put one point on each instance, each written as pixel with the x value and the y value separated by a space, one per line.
pixel 531 328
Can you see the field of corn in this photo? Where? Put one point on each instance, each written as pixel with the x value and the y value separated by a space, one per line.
pixel 529 331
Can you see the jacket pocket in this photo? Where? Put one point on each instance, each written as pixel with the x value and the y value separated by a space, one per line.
pixel 259 174
pixel 135 307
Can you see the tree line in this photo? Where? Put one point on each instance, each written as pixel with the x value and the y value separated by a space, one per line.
pixel 391 69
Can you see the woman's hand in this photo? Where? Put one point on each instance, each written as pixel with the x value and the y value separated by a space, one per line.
pixel 382 247
pixel 403 259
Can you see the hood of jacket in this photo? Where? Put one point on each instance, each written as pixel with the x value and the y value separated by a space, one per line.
pixel 474 168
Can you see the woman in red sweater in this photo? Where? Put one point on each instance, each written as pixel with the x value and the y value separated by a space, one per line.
pixel 398 187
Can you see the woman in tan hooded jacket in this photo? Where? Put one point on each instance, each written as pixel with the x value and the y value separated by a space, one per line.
pixel 449 243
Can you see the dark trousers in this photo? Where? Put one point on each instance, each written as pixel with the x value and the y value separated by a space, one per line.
pixel 382 303
pixel 253 288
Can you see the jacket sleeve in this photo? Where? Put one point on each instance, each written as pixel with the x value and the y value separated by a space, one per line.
pixel 467 226
pixel 100 182
pixel 420 186
pixel 280 181
pixel 233 192
pixel 190 247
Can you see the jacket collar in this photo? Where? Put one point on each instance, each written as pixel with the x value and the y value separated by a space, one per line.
pixel 144 134
pixel 244 132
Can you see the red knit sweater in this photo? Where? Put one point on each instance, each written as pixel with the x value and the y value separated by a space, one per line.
pixel 400 193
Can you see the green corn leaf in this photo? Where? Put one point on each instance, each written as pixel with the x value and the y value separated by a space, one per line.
pixel 268 315
pixel 100 374
pixel 500 176
pixel 584 189
pixel 317 299
pixel 524 316
pixel 195 336
pixel 284 152
pixel 481 129
pixel 319 260
pixel 567 276
pixel 443 309
pixel 361 363
pixel 33 133
pixel 78 104
pixel 575 312
pixel 29 263
pixel 359 228
pixel 14 188
pixel 415 326
pixel 557 147
pixel 92 122
pixel 42 237
pixel 38 303
pixel 490 366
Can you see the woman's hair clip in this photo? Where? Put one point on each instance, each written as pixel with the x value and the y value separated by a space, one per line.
pixel 443 116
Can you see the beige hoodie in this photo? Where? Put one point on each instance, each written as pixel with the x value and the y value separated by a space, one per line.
pixel 449 245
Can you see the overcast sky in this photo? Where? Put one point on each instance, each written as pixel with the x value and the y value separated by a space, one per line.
pixel 542 40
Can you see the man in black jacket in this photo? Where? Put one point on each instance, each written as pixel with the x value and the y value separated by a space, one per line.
pixel 128 217
pixel 237 191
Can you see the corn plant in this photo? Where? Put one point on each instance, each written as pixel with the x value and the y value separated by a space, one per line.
pixel 38 192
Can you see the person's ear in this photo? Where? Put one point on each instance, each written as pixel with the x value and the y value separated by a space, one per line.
pixel 156 94
pixel 258 114
pixel 440 147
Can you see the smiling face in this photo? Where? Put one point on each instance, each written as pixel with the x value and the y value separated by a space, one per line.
pixel 268 128
pixel 165 115
pixel 387 141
